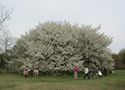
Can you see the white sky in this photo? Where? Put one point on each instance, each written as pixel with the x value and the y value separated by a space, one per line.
pixel 110 14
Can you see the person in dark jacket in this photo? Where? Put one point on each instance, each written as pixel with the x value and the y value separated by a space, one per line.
pixel 105 71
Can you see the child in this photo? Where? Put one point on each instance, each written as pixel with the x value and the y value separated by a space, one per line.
pixel 26 72
pixel 36 71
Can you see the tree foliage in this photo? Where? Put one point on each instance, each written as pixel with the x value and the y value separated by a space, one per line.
pixel 2 62
pixel 7 41
pixel 119 59
pixel 122 55
pixel 59 46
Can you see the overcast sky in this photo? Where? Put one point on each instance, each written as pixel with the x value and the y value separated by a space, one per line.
pixel 110 14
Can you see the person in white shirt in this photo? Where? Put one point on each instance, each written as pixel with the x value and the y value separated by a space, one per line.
pixel 86 73
pixel 99 73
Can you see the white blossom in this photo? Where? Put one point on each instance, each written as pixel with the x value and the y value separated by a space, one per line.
pixel 60 46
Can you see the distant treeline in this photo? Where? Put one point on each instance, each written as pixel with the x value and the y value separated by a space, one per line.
pixel 119 60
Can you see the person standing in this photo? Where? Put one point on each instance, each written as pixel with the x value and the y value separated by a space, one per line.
pixel 75 72
pixel 105 71
pixel 86 73
pixel 26 72
pixel 36 71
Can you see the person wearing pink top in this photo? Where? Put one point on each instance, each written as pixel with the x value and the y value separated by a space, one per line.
pixel 75 72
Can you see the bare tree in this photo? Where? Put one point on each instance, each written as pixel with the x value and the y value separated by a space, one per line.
pixel 7 42
pixel 4 15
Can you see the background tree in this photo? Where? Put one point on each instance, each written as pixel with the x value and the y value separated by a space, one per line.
pixel 59 46
pixel 1 49
pixel 2 62
pixel 5 38
pixel 7 42
pixel 4 16
pixel 122 55
pixel 118 61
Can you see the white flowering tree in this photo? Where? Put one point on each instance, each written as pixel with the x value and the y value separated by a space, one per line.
pixel 93 48
pixel 60 46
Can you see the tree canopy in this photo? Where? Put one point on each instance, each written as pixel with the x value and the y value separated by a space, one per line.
pixel 60 46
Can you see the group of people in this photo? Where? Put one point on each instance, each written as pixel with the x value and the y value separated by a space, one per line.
pixel 36 72
pixel 87 73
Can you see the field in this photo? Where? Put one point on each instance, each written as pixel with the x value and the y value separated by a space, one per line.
pixel 18 82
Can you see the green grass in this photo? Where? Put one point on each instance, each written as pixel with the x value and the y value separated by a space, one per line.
pixel 18 82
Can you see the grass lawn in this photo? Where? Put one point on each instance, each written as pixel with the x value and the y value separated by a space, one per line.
pixel 18 82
